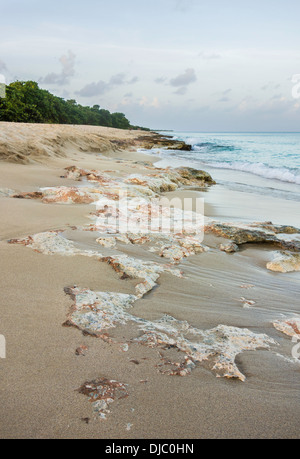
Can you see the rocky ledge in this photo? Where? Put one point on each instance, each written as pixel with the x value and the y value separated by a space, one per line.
pixel 158 141
pixel 286 237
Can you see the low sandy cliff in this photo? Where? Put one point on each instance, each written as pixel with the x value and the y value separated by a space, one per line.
pixel 28 143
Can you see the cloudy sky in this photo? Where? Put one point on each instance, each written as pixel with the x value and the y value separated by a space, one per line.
pixel 190 65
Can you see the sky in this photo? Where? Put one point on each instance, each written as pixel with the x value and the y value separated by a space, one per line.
pixel 189 65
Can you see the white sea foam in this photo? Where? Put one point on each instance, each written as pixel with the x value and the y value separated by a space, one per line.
pixel 274 156
pixel 283 174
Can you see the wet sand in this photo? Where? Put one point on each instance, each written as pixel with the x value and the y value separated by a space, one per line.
pixel 41 374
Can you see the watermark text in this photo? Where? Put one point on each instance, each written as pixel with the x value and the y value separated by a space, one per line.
pixel 2 347
pixel 2 86
pixel 296 348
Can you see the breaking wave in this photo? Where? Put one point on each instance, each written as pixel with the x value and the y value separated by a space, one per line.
pixel 264 156
pixel 281 173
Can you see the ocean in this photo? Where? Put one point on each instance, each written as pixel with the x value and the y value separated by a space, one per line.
pixel 264 164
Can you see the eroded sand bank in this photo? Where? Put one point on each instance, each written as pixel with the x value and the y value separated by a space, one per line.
pixel 161 316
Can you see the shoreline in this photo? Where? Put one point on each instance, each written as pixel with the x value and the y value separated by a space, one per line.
pixel 42 372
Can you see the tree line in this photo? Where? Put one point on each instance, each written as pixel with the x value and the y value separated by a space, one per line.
pixel 25 102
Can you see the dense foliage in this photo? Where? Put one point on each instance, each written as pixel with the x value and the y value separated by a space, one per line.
pixel 25 102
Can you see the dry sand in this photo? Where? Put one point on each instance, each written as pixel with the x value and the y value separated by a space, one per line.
pixel 27 143
pixel 41 373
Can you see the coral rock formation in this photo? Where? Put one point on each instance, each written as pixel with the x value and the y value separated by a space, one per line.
pixel 290 327
pixel 102 393
pixel 285 262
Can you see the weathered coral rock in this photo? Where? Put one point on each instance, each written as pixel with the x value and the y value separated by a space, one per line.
pixel 133 268
pixel 181 245
pixel 239 234
pixel 285 262
pixel 48 243
pixel 81 350
pixel 29 195
pixel 191 176
pixel 170 179
pixel 158 183
pixel 138 239
pixel 141 217
pixel 157 141
pixel 53 243
pixel 108 242
pixel 120 197
pixel 290 327
pixel 170 368
pixel 71 195
pixel 279 229
pixel 95 312
pixel 229 248
pixel 191 242
pixel 178 246
pixel 175 253
pixel 218 347
pixel 102 393
pixel 74 173
pixel 162 180
pixel 256 233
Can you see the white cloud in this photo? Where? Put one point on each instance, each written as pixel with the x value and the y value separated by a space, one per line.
pixel 101 87
pixel 68 70
pixel 188 77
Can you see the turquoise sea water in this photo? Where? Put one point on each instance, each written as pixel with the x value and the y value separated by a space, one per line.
pixel 275 156
pixel 268 162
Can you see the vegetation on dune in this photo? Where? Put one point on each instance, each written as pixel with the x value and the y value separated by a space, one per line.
pixel 25 102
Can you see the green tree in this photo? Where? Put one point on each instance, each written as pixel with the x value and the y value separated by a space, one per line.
pixel 25 102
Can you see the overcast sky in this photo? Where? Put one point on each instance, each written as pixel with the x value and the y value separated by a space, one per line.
pixel 172 64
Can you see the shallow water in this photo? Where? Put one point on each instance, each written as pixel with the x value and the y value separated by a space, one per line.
pixel 269 155
pixel 257 175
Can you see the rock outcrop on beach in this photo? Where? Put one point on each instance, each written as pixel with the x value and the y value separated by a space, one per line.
pixel 53 243
pixel 147 186
pixel 170 180
pixel 192 176
pixel 217 348
pixel 231 247
pixel 160 180
pixel 96 312
pixel 290 327
pixel 132 268
pixel 285 262
pixel 165 142
pixel 102 393
pixel 266 233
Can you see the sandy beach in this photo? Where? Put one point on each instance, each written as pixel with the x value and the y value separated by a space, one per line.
pixel 200 344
